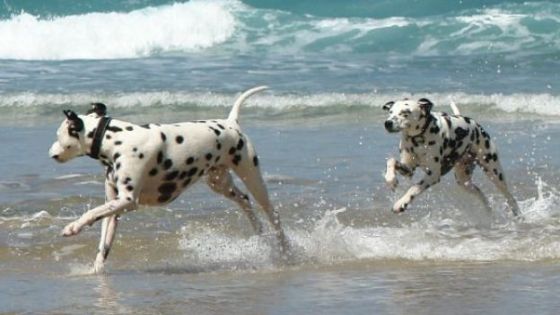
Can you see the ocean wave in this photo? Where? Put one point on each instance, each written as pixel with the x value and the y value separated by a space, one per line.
pixel 187 26
pixel 233 26
pixel 29 103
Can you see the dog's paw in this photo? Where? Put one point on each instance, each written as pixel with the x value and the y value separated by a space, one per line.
pixel 72 229
pixel 391 182
pixel 98 266
pixel 399 207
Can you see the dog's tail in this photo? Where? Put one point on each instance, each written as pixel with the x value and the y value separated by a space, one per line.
pixel 235 110
pixel 455 108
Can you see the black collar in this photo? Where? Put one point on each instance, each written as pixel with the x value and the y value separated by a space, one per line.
pixel 419 138
pixel 98 136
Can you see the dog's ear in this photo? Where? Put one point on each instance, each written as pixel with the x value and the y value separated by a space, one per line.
pixel 98 108
pixel 425 104
pixel 388 105
pixel 75 123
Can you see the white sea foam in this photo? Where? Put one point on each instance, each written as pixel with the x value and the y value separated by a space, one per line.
pixel 540 104
pixel 329 241
pixel 178 27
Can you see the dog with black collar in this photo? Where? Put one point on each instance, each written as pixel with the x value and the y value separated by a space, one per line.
pixel 152 164
pixel 438 142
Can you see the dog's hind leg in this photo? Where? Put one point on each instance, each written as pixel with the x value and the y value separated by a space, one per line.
pixel 247 168
pixel 220 181
pixel 487 158
pixel 493 169
pixel 463 175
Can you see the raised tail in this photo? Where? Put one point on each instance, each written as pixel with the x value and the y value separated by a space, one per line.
pixel 455 108
pixel 235 110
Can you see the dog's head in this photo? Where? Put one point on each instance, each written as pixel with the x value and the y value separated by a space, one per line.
pixel 407 115
pixel 71 137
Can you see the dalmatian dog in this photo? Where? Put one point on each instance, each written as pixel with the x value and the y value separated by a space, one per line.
pixel 437 142
pixel 152 164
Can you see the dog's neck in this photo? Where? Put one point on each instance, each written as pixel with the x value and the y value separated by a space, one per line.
pixel 98 135
pixel 95 129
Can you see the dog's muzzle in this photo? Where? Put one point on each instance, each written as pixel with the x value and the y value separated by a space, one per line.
pixel 390 126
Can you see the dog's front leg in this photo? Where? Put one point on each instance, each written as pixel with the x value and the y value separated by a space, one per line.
pixel 430 179
pixel 394 166
pixel 108 229
pixel 113 207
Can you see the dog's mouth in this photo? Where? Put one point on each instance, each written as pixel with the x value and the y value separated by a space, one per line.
pixel 391 127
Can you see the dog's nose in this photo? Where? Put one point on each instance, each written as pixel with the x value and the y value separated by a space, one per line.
pixel 55 156
pixel 389 124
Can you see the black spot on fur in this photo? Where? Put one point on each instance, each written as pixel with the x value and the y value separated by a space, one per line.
pixel 232 150
pixel 192 171
pixel 216 131
pixel 201 173
pixel 256 160
pixel 90 134
pixel 218 146
pixel 236 159
pixel 460 133
pixel 116 156
pixel 179 139
pixel 114 129
pixel 130 188
pixel 141 156
pixel 501 177
pixel 167 188
pixel 190 160
pixel 240 144
pixel 160 157
pixel 167 164
pixel 163 137
pixel 108 137
pixel 452 143
pixel 172 175
pixel 147 126
pixel 118 142
pixel 183 175
pixel 221 127
pixel 209 156
pixel 129 128
pixel 153 172
pixel 217 159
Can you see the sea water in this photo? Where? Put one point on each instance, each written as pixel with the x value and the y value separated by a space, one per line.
pixel 320 138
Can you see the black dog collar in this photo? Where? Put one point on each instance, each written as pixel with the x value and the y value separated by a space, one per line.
pixel 98 136
pixel 419 138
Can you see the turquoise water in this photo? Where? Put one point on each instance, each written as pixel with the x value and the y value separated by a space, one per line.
pixel 319 131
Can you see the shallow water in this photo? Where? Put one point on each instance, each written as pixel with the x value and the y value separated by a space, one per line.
pixel 322 148
pixel 349 252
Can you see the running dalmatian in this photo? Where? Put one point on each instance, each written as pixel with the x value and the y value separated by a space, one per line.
pixel 438 142
pixel 153 163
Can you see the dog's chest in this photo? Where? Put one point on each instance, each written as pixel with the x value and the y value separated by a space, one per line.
pixel 422 147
